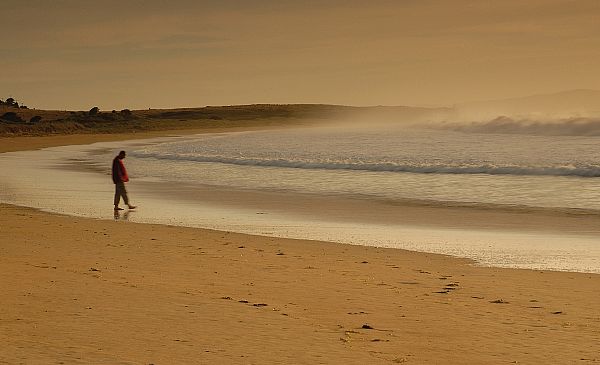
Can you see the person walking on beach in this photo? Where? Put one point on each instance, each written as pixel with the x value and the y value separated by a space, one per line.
pixel 119 176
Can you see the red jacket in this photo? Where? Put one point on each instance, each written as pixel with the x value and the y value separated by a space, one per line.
pixel 119 173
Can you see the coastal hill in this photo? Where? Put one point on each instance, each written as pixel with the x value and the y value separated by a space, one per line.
pixel 21 121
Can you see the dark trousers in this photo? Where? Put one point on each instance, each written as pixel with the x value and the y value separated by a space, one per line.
pixel 120 191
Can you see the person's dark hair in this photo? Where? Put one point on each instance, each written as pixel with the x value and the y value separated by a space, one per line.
pixel 122 154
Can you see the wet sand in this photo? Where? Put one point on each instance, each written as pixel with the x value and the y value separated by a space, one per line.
pixel 78 290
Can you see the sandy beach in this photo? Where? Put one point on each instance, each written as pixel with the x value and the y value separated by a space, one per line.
pixel 80 290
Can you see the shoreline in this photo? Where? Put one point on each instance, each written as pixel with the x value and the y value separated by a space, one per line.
pixel 82 290
pixel 427 214
pixel 517 237
pixel 26 143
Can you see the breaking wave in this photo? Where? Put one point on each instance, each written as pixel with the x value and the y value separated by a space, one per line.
pixel 506 125
pixel 489 169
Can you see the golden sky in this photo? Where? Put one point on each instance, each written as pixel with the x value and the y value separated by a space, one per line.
pixel 65 54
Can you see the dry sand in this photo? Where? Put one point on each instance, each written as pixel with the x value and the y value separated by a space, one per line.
pixel 86 291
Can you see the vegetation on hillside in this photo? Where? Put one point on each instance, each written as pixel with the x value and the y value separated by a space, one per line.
pixel 12 103
pixel 44 122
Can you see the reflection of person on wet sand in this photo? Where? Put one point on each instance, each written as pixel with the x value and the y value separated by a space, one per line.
pixel 123 217
pixel 119 176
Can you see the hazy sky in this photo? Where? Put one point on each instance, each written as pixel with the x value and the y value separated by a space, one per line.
pixel 158 53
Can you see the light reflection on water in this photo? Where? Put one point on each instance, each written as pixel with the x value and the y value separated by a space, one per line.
pixel 37 182
pixel 388 164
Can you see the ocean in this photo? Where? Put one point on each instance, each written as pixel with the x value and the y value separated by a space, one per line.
pixel 436 166
pixel 508 200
